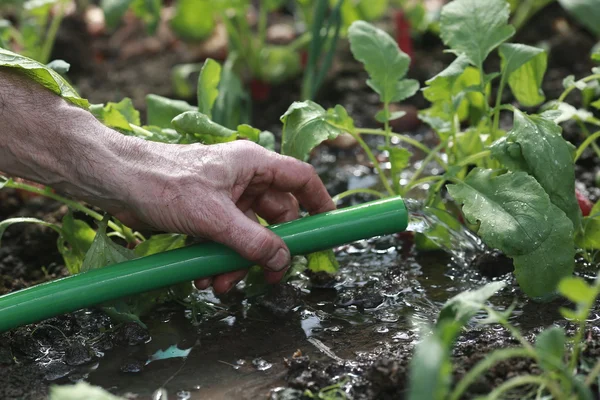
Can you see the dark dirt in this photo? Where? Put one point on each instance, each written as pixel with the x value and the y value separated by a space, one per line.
pixel 358 328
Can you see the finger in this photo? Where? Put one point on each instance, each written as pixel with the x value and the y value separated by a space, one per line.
pixel 203 283
pixel 301 179
pixel 276 207
pixel 251 240
pixel 273 277
pixel 225 282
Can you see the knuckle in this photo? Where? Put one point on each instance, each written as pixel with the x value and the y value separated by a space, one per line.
pixel 258 246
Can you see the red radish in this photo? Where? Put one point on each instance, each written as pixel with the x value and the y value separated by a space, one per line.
pixel 403 37
pixel 584 203
pixel 260 90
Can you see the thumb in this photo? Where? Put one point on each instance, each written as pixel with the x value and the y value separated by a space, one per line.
pixel 253 241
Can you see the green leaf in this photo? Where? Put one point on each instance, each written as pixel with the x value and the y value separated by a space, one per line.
pixel 462 307
pixel 199 126
pixel 233 105
pixel 383 60
pixel 440 87
pixel 550 348
pixel 278 64
pixel 43 75
pixel 19 220
pixel 114 11
pixel 247 132
pixel 524 67
pixel 162 110
pixel 399 160
pixel 540 271
pixel 149 12
pixel 430 367
pixel 80 391
pixel 193 20
pixel 208 83
pixel 160 243
pixel 323 261
pixel 512 209
pixel 385 116
pixel 60 66
pixel 306 124
pixel 117 115
pixel 75 241
pixel 590 233
pixel 577 290
pixel 545 155
pixel 586 12
pixel 267 140
pixel 104 252
pixel 475 28
pixel 180 77
pixel 596 104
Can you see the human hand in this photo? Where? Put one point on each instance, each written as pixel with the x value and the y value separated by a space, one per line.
pixel 214 192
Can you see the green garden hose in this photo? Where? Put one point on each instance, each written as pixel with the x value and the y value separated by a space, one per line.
pixel 303 236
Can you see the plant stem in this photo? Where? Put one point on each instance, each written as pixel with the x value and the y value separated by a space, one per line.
pixel 71 203
pixel 589 380
pixel 485 364
pixel 525 380
pixel 51 34
pixel 568 90
pixel 376 164
pixel 424 164
pixel 433 178
pixel 588 141
pixel 357 191
pixel 405 139
pixel 474 157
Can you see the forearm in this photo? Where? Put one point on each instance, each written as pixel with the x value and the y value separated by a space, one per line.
pixel 45 139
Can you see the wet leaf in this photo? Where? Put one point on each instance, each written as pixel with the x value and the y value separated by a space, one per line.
pixel 305 125
pixel 542 152
pixel 208 83
pixel 104 251
pixel 550 348
pixel 323 261
pixel 383 60
pixel 159 244
pixel 440 87
pixel 462 307
pixel 399 160
pixel 475 28
pixel 523 67
pixel 513 209
pixel 193 20
pixel 43 75
pixel 162 110
pixel 540 271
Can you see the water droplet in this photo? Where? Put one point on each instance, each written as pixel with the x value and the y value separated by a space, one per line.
pixel 261 364
pixel 382 329
pixel 183 395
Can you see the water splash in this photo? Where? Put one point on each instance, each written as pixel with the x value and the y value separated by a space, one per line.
pixel 445 231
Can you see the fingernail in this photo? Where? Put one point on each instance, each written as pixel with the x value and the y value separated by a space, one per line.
pixel 280 260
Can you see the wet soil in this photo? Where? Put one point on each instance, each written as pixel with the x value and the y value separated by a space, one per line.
pixel 357 330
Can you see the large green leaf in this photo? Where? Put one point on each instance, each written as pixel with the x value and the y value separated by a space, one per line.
pixel 306 124
pixel 475 27
pixel 587 12
pixel 208 83
pixel 162 110
pixel 523 67
pixel 540 271
pixel 465 305
pixel 536 146
pixel 383 60
pixel 193 19
pixel 160 243
pixel 513 210
pixel 550 348
pixel 104 252
pixel 43 75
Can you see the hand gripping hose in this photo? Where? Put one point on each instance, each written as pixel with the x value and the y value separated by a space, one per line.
pixel 302 236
